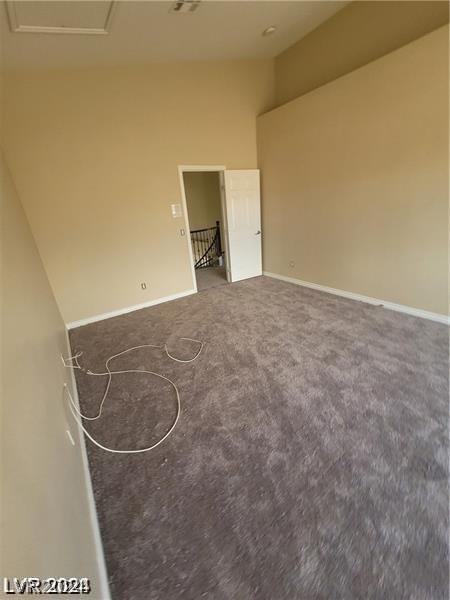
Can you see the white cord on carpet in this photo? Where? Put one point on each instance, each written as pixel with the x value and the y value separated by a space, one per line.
pixel 73 358
pixel 78 415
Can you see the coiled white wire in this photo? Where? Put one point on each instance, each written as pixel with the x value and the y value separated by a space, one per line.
pixel 78 415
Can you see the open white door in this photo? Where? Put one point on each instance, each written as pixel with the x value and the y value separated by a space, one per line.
pixel 242 198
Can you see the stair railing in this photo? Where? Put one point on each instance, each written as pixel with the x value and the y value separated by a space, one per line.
pixel 206 246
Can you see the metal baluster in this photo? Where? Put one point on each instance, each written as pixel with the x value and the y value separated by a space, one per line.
pixel 204 247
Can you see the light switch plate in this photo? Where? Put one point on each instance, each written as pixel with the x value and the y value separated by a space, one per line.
pixel 176 210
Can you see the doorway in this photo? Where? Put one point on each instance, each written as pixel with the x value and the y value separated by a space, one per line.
pixel 205 213
pixel 222 210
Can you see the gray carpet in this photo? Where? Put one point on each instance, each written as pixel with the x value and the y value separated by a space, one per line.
pixel 210 277
pixel 310 460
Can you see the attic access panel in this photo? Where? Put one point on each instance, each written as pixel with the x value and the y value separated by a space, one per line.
pixel 45 16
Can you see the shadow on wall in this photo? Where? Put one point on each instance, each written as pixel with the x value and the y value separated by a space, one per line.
pixel 203 198
pixel 57 504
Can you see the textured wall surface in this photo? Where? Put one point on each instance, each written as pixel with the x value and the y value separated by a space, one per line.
pixel 202 198
pixel 359 33
pixel 355 180
pixel 46 526
pixel 94 154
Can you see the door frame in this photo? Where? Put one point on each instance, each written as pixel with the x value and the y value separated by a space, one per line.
pixel 207 168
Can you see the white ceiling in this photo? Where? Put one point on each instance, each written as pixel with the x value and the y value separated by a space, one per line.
pixel 145 31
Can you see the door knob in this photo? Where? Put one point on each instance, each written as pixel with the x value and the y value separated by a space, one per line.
pixel 258 232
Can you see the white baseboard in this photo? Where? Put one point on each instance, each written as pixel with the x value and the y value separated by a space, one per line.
pixel 101 563
pixel 409 310
pixel 123 311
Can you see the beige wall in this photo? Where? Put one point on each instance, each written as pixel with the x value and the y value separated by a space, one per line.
pixel 94 154
pixel 359 33
pixel 46 528
pixel 203 198
pixel 355 179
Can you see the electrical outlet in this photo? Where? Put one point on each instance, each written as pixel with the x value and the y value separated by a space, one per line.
pixel 291 264
pixel 143 285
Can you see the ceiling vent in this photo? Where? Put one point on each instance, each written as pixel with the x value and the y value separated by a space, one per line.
pixel 185 6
